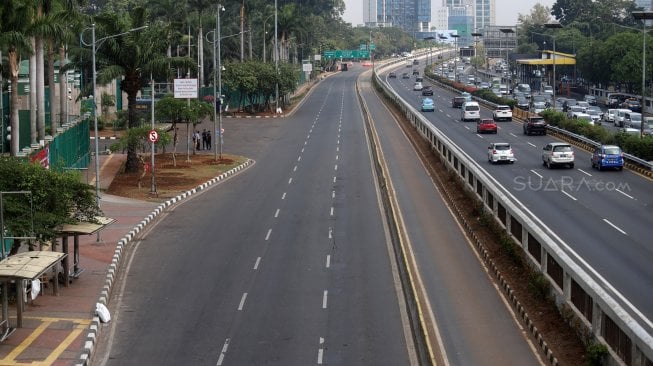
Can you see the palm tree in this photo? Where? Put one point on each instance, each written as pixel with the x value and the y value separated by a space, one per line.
pixel 15 19
pixel 132 56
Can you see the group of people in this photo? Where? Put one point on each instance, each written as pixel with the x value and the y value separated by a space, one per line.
pixel 202 141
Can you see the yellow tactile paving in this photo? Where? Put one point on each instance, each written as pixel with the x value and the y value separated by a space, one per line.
pixel 80 326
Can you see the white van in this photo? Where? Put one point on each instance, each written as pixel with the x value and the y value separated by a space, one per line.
pixel 633 120
pixel 620 116
pixel 470 111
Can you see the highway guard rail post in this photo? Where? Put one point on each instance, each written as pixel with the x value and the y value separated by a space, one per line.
pixel 584 298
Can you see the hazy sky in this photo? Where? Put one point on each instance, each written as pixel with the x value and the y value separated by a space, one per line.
pixel 507 10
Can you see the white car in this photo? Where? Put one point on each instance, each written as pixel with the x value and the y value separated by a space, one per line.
pixel 547 89
pixel 418 86
pixel 500 152
pixel 574 110
pixel 582 116
pixel 610 115
pixel 558 153
pixel 502 112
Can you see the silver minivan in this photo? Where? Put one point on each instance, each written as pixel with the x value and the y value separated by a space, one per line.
pixel 471 111
pixel 632 120
pixel 620 116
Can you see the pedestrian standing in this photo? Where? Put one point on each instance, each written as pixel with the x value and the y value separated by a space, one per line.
pixel 204 139
pixel 208 140
pixel 197 140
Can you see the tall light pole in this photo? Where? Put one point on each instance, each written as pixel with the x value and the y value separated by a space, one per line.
pixel 476 35
pixel 264 35
pixel 508 31
pixel 643 16
pixel 217 98
pixel 95 45
pixel 430 39
pixel 455 55
pixel 554 25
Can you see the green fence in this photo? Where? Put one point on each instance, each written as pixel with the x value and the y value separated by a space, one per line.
pixel 71 148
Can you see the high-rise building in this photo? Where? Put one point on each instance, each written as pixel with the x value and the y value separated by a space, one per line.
pixel 484 13
pixel 409 15
pixel 646 4
pixel 461 20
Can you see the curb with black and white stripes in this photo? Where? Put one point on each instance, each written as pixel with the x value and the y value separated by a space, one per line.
pixel 91 337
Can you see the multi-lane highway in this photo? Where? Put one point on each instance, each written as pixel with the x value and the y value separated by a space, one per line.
pixel 602 219
pixel 289 263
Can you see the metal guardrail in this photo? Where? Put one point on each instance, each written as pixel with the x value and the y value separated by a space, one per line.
pixel 587 300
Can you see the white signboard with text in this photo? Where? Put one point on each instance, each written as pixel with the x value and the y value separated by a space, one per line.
pixel 185 88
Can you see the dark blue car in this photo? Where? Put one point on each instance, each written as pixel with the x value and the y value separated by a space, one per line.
pixel 608 156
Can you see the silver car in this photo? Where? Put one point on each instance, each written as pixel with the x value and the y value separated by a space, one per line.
pixel 500 152
pixel 558 153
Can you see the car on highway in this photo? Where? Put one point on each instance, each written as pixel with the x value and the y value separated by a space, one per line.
pixel 568 102
pixel 392 75
pixel 538 107
pixel 607 156
pixel 610 115
pixel 648 126
pixel 632 104
pixel 417 86
pixel 502 113
pixel 467 96
pixel 573 110
pixel 484 85
pixel 470 111
pixel 419 78
pixel 427 90
pixel 534 124
pixel 590 99
pixel 633 120
pixel 405 75
pixel 486 125
pixel 427 105
pixel 457 102
pixel 522 103
pixel 620 116
pixel 415 72
pixel 595 114
pixel 547 89
pixel 500 152
pixel 583 104
pixel 558 153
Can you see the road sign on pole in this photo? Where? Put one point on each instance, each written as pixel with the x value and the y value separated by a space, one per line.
pixel 153 136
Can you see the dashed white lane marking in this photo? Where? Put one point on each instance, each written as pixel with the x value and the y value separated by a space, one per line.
pixel 536 173
pixel 325 296
pixel 479 135
pixel 330 233
pixel 256 264
pixel 294 169
pixel 242 302
pixel 530 143
pixel 299 158
pixel 337 148
pixel 614 226
pixel 267 236
pixel 289 180
pixel 337 157
pixel 333 194
pixel 568 195
pixel 331 210
pixel 320 352
pixel 584 172
pixel 467 127
pixel 276 214
pixel 334 179
pixel 335 167
pixel 328 261
pixel 283 196
pixel 302 150
pixel 224 350
pixel 625 194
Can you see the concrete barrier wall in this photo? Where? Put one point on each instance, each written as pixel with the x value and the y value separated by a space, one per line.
pixel 582 296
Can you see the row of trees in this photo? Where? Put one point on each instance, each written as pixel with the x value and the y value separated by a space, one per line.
pixel 174 44
pixel 605 38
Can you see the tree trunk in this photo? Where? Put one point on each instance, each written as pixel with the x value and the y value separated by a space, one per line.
pixel 63 92
pixel 40 89
pixel 33 105
pixel 14 69
pixel 132 164
pixel 55 110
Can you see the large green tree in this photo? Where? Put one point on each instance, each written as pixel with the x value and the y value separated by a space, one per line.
pixel 134 57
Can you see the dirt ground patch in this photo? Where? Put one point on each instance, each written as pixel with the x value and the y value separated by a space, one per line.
pixel 171 180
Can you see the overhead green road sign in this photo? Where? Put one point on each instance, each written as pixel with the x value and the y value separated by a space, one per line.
pixel 347 54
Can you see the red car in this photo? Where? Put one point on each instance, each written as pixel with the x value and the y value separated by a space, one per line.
pixel 486 126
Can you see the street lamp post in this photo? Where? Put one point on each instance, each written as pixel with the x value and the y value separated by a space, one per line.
pixel 455 55
pixel 554 25
pixel 643 15
pixel 508 31
pixel 430 38
pixel 95 43
pixel 217 98
pixel 476 35
pixel 276 57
